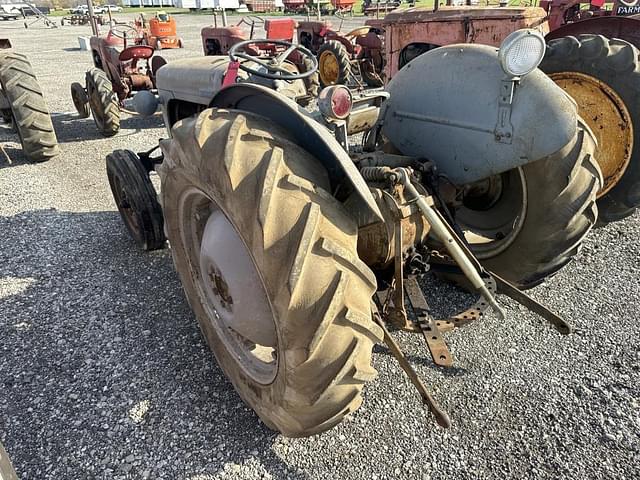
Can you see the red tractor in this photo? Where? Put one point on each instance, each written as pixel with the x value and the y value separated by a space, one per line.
pixel 219 41
pixel 122 67
pixel 340 55
pixel 159 32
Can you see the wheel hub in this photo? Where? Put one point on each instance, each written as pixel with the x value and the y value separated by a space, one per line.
pixel 329 68
pixel 220 288
pixel 228 272
pixel 230 287
pixel 608 118
pixel 493 212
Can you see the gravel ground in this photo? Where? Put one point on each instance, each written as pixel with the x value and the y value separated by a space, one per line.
pixel 104 373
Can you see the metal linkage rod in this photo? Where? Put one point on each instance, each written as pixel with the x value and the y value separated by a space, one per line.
pixel 444 235
pixel 440 415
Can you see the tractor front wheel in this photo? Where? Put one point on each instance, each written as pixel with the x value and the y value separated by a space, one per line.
pixel 603 77
pixel 103 101
pixel 529 222
pixel 136 199
pixel 80 100
pixel 334 65
pixel 268 261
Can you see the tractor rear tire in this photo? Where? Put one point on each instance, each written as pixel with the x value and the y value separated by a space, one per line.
pixel 103 101
pixel 29 111
pixel 334 65
pixel 303 245
pixel 560 209
pixel 136 199
pixel 615 63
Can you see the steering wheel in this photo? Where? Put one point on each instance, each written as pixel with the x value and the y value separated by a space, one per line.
pixel 275 70
pixel 251 20
pixel 122 31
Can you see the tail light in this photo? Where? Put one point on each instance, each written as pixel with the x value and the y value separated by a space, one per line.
pixel 335 102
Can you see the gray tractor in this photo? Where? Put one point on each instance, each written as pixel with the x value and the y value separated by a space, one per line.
pixel 297 232
pixel 22 105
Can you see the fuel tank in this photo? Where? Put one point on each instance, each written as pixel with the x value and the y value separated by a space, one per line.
pixel 453 106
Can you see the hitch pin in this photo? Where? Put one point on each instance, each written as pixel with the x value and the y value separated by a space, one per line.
pixel 441 231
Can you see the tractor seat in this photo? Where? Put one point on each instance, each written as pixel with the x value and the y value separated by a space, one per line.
pixel 137 51
pixel 358 32
pixel 280 28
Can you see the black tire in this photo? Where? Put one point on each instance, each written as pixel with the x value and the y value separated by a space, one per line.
pixel 29 111
pixel 303 243
pixel 617 64
pixel 340 55
pixel 7 116
pixel 560 210
pixel 136 199
pixel 80 100
pixel 103 101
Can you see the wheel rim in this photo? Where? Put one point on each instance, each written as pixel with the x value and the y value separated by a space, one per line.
pixel 329 68
pixel 229 286
pixel 126 208
pixel 608 118
pixel 493 212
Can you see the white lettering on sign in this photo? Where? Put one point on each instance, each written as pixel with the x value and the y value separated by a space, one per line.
pixel 628 10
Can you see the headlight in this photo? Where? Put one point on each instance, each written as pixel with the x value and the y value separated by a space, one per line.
pixel 521 52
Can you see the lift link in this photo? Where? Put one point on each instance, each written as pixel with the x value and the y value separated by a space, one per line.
pixel 442 418
pixel 465 259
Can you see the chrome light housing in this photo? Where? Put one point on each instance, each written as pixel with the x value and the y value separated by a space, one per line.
pixel 521 52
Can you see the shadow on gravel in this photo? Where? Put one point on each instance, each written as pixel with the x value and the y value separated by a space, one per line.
pixel 425 361
pixel 15 155
pixel 104 372
pixel 70 128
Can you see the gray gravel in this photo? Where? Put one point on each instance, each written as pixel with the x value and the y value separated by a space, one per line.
pixel 104 373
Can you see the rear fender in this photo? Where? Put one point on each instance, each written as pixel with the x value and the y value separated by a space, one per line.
pixel 450 106
pixel 306 132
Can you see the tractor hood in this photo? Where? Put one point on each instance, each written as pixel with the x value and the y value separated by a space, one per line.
pixel 450 106
pixel 193 80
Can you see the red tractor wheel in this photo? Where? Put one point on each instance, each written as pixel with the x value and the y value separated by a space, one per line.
pixel 334 65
